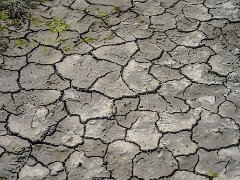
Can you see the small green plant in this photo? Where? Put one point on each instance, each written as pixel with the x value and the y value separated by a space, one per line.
pixel 116 9
pixel 46 50
pixel 4 15
pixel 37 20
pixel 57 26
pixel 68 48
pixel 213 174
pixel 3 177
pixel 108 37
pixel 21 43
pixel 38 147
pixel 103 15
pixel 1 66
pixel 141 19
pixel 3 27
pixel 61 41
pixel 88 40
pixel 3 45
pixel 4 20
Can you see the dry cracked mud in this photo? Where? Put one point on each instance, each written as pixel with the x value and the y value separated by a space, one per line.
pixel 134 89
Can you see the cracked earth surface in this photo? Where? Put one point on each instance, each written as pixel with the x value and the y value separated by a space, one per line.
pixel 135 89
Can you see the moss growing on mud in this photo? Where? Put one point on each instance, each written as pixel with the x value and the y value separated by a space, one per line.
pixel 21 43
pixel 88 40
pixel 213 174
pixel 57 26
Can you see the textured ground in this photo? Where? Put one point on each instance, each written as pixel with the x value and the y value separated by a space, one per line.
pixel 135 89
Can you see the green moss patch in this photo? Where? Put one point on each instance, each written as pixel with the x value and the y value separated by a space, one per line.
pixel 213 174
pixel 21 43
pixel 88 40
pixel 57 26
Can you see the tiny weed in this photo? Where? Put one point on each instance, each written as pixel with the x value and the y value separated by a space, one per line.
pixel 116 9
pixel 4 15
pixel 21 43
pixel 3 27
pixel 89 40
pixel 46 50
pixel 3 178
pixel 1 66
pixel 213 174
pixel 108 37
pixel 61 41
pixel 37 20
pixel 38 147
pixel 103 15
pixel 68 49
pixel 57 26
